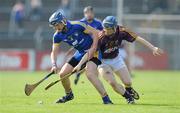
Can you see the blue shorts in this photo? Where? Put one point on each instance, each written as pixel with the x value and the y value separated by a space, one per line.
pixel 78 56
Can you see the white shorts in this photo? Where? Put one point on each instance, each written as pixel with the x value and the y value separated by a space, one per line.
pixel 115 64
pixel 123 53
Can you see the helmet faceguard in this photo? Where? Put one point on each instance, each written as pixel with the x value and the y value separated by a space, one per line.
pixel 57 18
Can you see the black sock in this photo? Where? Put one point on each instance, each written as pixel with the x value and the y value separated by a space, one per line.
pixel 128 88
pixel 126 95
pixel 69 93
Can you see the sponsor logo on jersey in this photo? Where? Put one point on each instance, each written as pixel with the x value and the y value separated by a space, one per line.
pixel 111 50
pixel 75 43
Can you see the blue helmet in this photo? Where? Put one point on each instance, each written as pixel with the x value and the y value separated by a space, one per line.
pixel 109 22
pixel 57 17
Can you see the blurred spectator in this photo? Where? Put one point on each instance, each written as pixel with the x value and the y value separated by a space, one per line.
pixel 17 16
pixel 174 6
pixel 178 11
pixel 36 10
pixel 159 6
pixel 65 8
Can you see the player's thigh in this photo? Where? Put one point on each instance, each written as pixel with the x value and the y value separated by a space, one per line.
pixel 124 75
pixel 106 72
pixel 91 68
pixel 66 69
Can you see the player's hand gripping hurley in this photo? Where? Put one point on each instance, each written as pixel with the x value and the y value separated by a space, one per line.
pixel 68 75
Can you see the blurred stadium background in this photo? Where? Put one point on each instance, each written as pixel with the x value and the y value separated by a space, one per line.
pixel 25 40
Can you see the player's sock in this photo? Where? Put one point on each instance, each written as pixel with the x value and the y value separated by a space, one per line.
pixel 128 88
pixel 106 100
pixel 126 95
pixel 69 96
pixel 77 78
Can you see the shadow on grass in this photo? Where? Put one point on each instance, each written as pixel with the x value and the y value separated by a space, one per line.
pixel 95 104
pixel 161 105
pixel 138 104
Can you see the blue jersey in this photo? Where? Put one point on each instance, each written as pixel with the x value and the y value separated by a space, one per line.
pixel 74 36
pixel 95 23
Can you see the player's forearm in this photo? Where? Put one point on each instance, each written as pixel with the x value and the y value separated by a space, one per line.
pixel 54 53
pixel 53 57
pixel 84 59
pixel 95 40
pixel 145 43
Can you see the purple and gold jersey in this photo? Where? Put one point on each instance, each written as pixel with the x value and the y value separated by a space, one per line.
pixel 109 45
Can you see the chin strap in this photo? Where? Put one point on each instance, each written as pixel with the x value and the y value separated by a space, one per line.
pixel 64 22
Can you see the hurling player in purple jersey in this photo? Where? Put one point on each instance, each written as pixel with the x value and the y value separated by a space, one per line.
pixel 110 39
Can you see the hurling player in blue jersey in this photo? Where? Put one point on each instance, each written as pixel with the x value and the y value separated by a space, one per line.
pixel 84 39
pixel 90 20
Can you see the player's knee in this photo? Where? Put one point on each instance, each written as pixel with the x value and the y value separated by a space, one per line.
pixel 89 76
pixel 61 74
pixel 113 84
pixel 91 72
pixel 127 83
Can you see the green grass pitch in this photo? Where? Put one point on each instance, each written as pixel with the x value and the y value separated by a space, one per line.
pixel 159 92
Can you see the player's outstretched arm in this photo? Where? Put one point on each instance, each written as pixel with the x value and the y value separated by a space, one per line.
pixel 54 53
pixel 156 51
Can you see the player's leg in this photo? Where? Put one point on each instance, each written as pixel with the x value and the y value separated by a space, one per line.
pixel 124 75
pixel 77 75
pixel 66 69
pixel 124 55
pixel 92 75
pixel 118 66
pixel 107 73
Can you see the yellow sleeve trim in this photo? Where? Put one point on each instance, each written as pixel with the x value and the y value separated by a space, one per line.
pixel 79 23
pixel 96 54
pixel 85 31
pixel 56 44
pixel 82 24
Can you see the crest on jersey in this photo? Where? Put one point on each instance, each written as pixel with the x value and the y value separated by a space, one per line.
pixel 70 38
pixel 110 44
pixel 76 34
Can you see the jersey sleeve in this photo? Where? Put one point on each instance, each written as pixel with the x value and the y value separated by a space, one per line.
pixel 56 39
pixel 99 25
pixel 128 35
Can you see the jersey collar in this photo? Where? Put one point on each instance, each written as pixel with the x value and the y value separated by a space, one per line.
pixel 84 19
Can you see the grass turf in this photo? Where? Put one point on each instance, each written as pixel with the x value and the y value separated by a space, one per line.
pixel 159 91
